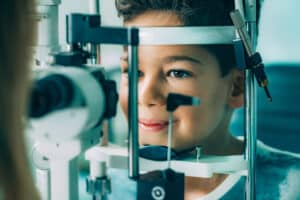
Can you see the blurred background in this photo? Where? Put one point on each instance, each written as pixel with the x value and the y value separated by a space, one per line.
pixel 279 45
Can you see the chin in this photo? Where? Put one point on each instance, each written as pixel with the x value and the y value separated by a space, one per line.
pixel 153 142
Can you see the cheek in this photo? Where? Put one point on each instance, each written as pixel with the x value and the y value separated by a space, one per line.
pixel 220 96
pixel 124 98
pixel 202 120
pixel 216 101
pixel 193 119
pixel 191 128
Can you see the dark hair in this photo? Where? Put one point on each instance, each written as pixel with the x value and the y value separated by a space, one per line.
pixel 191 13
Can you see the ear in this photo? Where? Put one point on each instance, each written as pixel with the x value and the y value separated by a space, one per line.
pixel 236 96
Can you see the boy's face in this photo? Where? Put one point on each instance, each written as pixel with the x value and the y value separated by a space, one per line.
pixel 189 70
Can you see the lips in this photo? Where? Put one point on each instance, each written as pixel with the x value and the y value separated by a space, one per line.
pixel 153 125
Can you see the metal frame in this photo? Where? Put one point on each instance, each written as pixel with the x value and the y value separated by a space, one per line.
pixel 173 36
pixel 133 146
pixel 186 35
pixel 250 99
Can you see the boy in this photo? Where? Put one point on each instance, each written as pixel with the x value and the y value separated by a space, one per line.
pixel 207 72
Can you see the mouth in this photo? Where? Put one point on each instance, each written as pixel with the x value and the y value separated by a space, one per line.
pixel 153 125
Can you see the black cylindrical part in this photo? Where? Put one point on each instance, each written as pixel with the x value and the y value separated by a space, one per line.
pixel 50 93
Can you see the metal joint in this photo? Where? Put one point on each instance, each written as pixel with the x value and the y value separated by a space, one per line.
pixel 98 186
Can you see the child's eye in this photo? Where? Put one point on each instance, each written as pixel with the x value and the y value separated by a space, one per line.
pixel 178 73
pixel 125 72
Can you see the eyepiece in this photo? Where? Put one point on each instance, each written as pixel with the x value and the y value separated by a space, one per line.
pixel 50 93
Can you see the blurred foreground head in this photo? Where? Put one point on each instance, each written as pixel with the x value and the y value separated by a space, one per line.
pixel 17 34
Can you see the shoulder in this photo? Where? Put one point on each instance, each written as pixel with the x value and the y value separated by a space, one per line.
pixel 278 172
pixel 272 157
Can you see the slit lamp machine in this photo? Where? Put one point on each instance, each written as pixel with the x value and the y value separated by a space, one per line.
pixel 66 117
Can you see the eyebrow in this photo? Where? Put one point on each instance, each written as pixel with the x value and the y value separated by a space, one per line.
pixel 171 59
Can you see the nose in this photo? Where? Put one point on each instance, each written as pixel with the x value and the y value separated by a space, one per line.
pixel 151 92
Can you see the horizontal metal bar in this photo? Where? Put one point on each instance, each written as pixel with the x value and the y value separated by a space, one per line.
pixel 186 35
pixel 83 28
pixel 101 35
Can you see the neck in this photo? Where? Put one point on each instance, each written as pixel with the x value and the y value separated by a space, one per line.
pixel 220 143
pixel 197 187
pixel 226 145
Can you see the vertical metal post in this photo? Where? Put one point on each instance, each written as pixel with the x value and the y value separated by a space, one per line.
pixel 133 104
pixel 94 49
pixel 170 131
pixel 250 117
pixel 239 5
pixel 42 172
pixel 94 6
pixel 250 104
pixel 252 133
pixel 251 109
pixel 64 178
pixel 47 40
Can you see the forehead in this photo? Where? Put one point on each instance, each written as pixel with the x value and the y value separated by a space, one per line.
pixel 166 18
pixel 158 19
pixel 155 18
